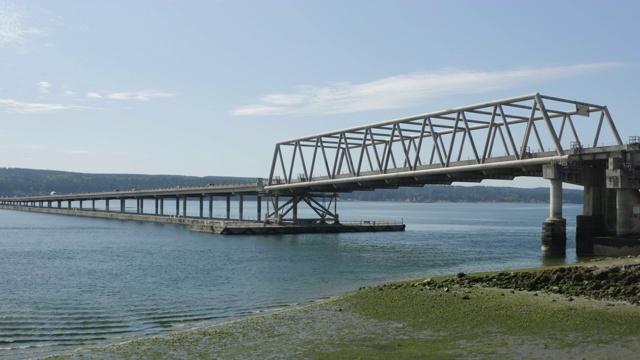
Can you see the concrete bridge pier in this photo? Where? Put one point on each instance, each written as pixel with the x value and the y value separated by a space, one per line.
pixel 625 199
pixel 591 223
pixel 554 228
pixel 184 206
pixel 610 224
pixel 621 176
pixel 259 206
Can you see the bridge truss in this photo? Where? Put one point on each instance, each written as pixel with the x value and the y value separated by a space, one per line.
pixel 498 139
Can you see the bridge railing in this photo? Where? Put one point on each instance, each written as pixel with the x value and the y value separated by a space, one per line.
pixel 503 130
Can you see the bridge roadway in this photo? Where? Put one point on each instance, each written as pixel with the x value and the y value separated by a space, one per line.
pixel 563 141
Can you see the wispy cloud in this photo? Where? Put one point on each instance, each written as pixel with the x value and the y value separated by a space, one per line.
pixel 15 106
pixel 144 95
pixel 44 87
pixel 90 152
pixel 77 152
pixel 13 28
pixel 407 90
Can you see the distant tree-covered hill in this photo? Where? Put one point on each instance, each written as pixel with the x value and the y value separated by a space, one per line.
pixel 25 182
pixel 452 193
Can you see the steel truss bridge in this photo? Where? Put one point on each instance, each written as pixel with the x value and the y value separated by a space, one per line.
pixel 494 140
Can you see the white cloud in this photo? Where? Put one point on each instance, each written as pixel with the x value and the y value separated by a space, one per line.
pixel 77 152
pixel 44 87
pixel 69 93
pixel 407 90
pixel 15 106
pixel 93 95
pixel 13 29
pixel 144 95
pixel 90 152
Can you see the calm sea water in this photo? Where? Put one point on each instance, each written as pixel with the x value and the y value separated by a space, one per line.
pixel 70 282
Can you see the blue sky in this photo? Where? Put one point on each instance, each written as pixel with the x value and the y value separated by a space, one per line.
pixel 208 87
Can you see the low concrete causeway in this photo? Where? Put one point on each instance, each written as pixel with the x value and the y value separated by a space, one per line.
pixel 232 224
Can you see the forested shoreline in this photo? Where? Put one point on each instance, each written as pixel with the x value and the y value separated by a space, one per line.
pixel 26 182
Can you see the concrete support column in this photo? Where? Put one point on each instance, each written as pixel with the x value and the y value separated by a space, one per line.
pixel 80 201
pixel 69 204
pixel 59 204
pixel 259 206
pixel 156 203
pixel 276 209
pixel 210 206
pixel 201 206
pixel 295 211
pixel 592 201
pixel 106 205
pixel 241 207
pixel 228 207
pixel 555 199
pixel 625 198
pixel 590 224
pixel 554 228
pixel 184 206
pixel 93 205
pixel 335 209
pixel 161 206
pixel 177 206
pixel 122 205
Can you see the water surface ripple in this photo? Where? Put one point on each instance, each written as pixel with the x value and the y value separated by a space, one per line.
pixel 71 282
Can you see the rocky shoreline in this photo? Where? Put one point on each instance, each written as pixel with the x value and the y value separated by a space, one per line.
pixel 614 282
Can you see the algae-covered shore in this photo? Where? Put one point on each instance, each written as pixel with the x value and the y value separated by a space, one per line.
pixel 589 310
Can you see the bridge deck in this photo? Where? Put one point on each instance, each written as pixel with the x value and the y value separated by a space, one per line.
pixel 255 188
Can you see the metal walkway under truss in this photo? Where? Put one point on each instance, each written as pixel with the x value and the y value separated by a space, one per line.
pixel 494 140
